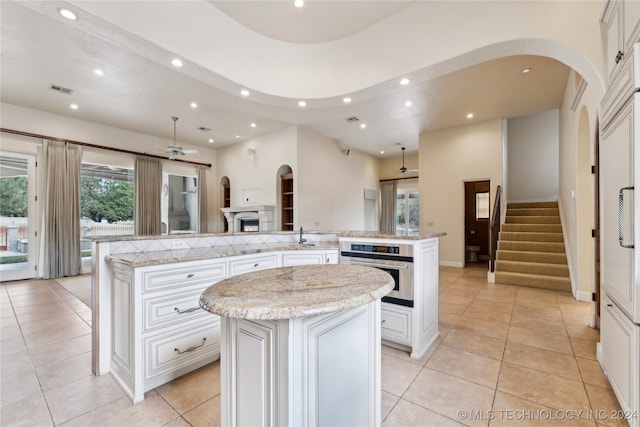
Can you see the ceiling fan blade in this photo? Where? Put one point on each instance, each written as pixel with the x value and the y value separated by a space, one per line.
pixel 163 148
pixel 189 151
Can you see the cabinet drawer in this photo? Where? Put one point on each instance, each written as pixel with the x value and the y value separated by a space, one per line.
pixel 396 324
pixel 620 340
pixel 302 258
pixel 175 352
pixel 172 309
pixel 252 263
pixel 177 276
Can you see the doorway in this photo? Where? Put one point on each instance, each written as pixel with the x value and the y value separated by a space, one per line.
pixel 476 220
pixel 18 244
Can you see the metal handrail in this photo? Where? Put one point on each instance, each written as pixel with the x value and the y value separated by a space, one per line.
pixel 495 230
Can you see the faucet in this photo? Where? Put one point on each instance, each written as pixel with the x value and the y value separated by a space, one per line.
pixel 301 241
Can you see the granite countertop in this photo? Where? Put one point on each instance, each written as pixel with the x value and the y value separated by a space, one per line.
pixel 293 292
pixel 378 235
pixel 141 259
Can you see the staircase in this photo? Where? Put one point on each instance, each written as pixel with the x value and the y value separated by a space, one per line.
pixel 531 248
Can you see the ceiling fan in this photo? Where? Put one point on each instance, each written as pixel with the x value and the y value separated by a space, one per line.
pixel 404 169
pixel 175 150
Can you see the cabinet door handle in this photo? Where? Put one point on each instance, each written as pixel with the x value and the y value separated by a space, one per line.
pixel 383 321
pixel 621 239
pixel 619 56
pixel 190 275
pixel 609 305
pixel 188 310
pixel 256 264
pixel 195 347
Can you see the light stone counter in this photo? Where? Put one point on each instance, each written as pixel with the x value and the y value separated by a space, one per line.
pixel 291 292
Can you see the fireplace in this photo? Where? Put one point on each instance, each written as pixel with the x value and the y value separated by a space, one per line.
pixel 250 224
pixel 257 218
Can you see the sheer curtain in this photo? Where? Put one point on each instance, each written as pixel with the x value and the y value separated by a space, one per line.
pixel 60 252
pixel 148 194
pixel 202 199
pixel 388 191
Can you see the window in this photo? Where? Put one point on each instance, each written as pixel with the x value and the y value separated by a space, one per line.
pixel 482 205
pixel 408 210
pixel 106 202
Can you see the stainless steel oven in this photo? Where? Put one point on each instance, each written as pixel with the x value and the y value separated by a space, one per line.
pixel 395 259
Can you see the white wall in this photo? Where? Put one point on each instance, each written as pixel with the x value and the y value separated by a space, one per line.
pixel 330 185
pixel 448 158
pixel 253 174
pixel 578 119
pixel 533 144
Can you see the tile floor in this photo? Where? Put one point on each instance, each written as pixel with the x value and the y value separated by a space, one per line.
pixel 506 356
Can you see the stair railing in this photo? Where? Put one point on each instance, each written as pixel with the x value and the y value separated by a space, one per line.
pixel 495 230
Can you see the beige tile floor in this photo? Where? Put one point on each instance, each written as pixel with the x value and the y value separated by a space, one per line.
pixel 506 356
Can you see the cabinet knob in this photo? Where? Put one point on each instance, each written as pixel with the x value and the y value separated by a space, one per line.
pixel 384 320
pixel 255 265
pixel 190 275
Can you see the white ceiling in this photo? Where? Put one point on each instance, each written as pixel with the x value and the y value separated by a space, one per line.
pixel 140 93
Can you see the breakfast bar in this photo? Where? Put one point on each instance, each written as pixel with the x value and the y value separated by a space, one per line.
pixel 300 345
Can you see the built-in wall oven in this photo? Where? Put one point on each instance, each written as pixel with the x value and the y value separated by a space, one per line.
pixel 395 259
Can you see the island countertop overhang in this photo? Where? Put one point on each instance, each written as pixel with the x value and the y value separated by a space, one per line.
pixel 294 292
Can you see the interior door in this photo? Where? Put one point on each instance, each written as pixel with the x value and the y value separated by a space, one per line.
pixel 476 215
pixel 18 243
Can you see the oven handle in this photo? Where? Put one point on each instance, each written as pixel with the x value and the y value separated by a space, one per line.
pixel 398 266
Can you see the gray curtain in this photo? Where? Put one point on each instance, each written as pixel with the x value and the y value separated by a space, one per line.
pixel 60 254
pixel 202 199
pixel 148 195
pixel 388 190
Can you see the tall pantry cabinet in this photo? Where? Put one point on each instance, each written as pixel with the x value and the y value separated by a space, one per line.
pixel 619 352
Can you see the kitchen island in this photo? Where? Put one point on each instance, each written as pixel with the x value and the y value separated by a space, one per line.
pixel 300 345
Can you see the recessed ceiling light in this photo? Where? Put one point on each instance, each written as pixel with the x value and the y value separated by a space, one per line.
pixel 253 125
pixel 67 14
pixel 176 62
pixel 193 105
pixel 298 3
pixel 381 151
pixel 211 141
pixel 237 136
pixel 98 72
pixel 244 92
pixel 154 127
pixel 526 70
pixel 347 100
pixel 408 103
pixel 73 106
pixel 469 115
pixel 363 125
pixel 404 81
pixel 302 104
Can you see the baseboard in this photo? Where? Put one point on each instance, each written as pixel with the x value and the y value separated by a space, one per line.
pixel 491 276
pixel 451 264
pixel 584 296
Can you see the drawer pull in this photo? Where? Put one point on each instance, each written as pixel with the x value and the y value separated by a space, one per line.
pixel 188 310
pixel 190 275
pixel 384 320
pixel 619 57
pixel 195 347
pixel 609 305
pixel 256 264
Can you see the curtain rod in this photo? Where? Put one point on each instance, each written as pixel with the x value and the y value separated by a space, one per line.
pixel 86 144
pixel 399 179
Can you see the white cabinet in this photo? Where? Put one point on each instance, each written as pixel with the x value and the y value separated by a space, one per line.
pixel 620 226
pixel 320 370
pixel 621 357
pixel 309 257
pixel 621 24
pixel 159 330
pixel 396 324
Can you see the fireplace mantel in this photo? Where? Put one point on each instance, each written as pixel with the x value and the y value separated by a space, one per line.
pixel 264 213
